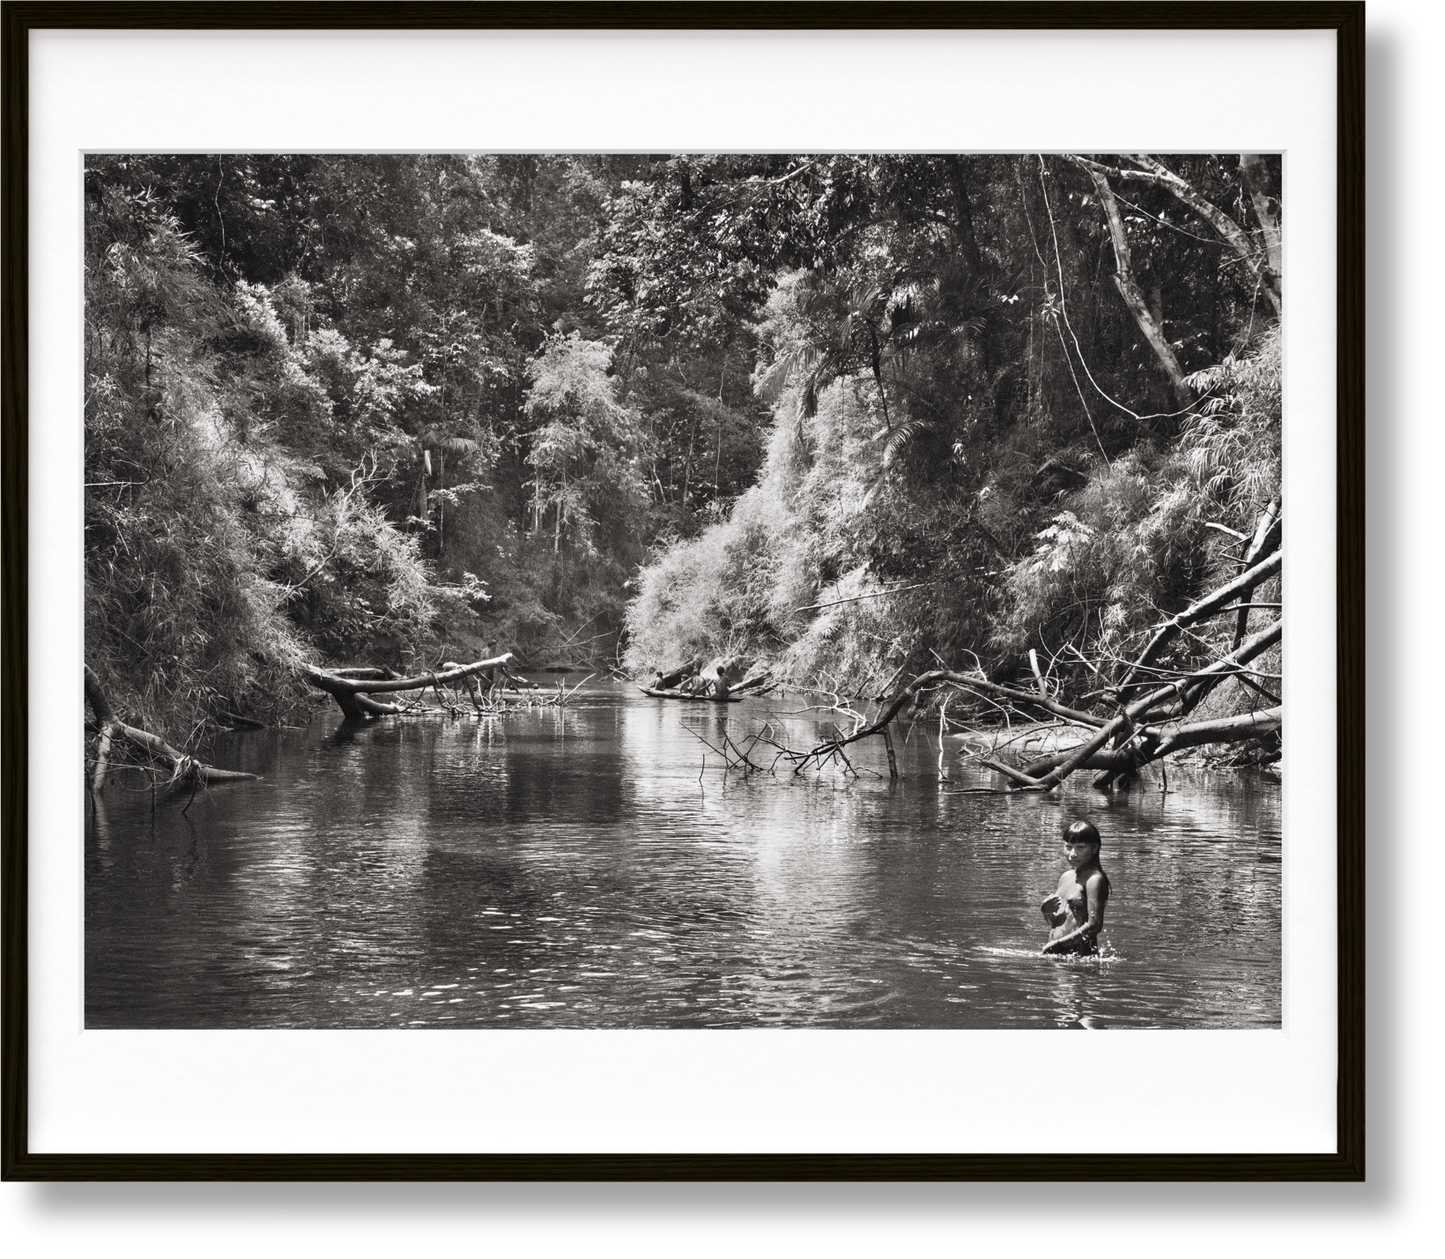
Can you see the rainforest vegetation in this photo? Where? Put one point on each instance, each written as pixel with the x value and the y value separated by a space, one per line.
pixel 855 419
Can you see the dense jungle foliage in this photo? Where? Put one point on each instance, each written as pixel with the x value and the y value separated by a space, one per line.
pixel 845 415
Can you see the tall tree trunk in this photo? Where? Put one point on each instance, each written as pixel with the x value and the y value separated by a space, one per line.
pixel 963 216
pixel 1266 210
pixel 1133 295
pixel 421 498
pixel 441 503
pixel 1155 172
pixel 687 463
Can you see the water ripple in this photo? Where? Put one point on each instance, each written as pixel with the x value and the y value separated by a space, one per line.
pixel 571 871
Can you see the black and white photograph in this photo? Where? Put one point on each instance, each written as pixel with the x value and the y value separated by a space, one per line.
pixel 683 590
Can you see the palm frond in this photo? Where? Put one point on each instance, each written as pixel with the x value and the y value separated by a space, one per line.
pixel 459 445
pixel 902 437
pixel 802 360
pixel 808 397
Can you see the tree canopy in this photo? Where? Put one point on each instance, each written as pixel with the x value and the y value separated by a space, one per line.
pixel 848 414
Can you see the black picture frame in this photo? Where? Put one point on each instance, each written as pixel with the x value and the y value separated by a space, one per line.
pixel 1347 1162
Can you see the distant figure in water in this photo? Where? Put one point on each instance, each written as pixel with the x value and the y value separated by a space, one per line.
pixel 1075 912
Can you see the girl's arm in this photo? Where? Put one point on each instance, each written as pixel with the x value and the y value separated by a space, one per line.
pixel 1053 911
pixel 1097 891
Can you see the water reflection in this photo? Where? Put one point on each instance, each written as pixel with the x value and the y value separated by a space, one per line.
pixel 584 869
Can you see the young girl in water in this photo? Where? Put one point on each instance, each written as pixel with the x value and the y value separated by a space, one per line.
pixel 1075 911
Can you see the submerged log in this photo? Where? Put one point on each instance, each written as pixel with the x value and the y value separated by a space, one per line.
pixel 1033 739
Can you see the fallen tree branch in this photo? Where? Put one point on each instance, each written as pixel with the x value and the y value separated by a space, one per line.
pixel 243 723
pixel 872 594
pixel 1215 601
pixel 1193 685
pixel 184 768
pixel 1196 734
pixel 352 694
pixel 1017 696
pixel 1192 688
pixel 1135 721
pixel 759 682
pixel 1038 674
pixel 1267 532
pixel 1018 776
pixel 1157 744
pixel 497 679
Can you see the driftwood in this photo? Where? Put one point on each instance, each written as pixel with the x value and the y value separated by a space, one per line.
pixel 1201 610
pixel 757 684
pixel 241 723
pixel 489 683
pixel 1152 744
pixel 185 770
pixel 353 695
pixel 1141 727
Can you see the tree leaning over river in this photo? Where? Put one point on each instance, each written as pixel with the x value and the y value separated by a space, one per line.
pixel 1022 404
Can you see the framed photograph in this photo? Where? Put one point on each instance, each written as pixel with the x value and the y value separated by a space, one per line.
pixel 675 591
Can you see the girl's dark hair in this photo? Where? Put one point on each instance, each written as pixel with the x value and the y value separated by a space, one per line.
pixel 1088 833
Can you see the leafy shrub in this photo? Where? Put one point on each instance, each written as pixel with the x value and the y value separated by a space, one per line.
pixel 219 555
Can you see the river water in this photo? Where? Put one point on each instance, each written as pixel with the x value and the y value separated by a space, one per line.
pixel 593 867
